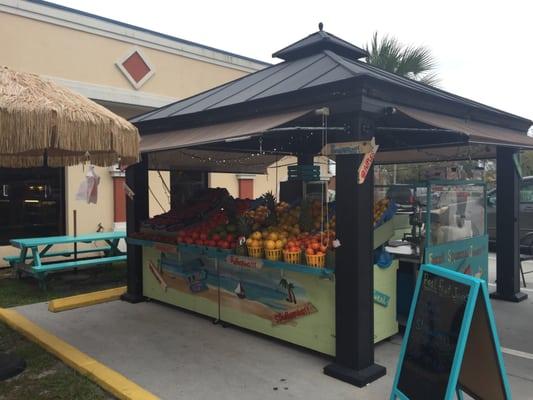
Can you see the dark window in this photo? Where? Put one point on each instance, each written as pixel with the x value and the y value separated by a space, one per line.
pixel 184 185
pixel 31 203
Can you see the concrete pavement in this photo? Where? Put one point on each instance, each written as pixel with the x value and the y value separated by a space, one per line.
pixel 178 355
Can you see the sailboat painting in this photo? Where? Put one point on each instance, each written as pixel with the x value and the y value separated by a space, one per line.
pixel 239 291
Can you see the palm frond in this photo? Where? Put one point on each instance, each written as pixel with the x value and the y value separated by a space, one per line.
pixel 409 61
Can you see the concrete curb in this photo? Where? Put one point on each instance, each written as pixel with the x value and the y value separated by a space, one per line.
pixel 116 384
pixel 84 300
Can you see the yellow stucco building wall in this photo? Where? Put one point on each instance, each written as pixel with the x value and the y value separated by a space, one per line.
pixel 83 52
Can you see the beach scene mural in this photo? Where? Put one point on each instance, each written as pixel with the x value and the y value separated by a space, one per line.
pixel 240 283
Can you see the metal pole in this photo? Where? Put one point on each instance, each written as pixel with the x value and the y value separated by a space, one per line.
pixel 75 220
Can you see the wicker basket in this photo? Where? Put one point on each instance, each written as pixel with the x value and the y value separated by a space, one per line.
pixel 316 261
pixel 256 252
pixel 292 257
pixel 274 254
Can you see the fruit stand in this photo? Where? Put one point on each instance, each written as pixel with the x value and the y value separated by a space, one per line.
pixel 259 264
pixel 321 100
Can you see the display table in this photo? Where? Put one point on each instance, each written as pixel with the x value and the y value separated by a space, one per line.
pixel 291 302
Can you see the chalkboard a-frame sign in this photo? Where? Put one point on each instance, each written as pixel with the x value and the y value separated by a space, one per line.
pixel 450 346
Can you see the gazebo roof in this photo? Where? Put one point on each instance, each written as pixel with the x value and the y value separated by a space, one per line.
pixel 317 42
pixel 319 60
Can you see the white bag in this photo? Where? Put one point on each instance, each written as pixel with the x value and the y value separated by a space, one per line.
pixel 88 190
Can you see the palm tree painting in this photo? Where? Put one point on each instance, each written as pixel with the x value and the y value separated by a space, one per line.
pixel 289 286
pixel 415 62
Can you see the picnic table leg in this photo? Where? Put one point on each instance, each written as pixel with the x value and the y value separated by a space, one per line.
pixel 43 251
pixel 21 260
pixel 37 263
pixel 113 251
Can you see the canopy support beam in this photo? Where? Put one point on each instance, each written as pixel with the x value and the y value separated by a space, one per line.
pixel 507 227
pixel 354 273
pixel 136 211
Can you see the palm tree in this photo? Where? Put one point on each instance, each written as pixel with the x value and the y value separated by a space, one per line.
pixel 410 61
pixel 285 284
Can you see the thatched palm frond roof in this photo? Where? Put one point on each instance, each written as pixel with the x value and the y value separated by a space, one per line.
pixel 44 123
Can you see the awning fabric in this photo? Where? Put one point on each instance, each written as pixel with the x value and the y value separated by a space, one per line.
pixel 215 133
pixel 448 153
pixel 477 132
pixel 211 161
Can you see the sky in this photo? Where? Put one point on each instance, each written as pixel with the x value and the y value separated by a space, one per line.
pixel 483 48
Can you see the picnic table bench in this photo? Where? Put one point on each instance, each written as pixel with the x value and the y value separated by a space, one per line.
pixel 34 250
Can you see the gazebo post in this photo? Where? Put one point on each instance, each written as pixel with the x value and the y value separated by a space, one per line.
pixel 136 211
pixel 507 227
pixel 354 276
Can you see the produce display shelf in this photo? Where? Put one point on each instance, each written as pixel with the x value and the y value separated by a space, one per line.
pixel 223 253
pixel 304 269
pixel 165 247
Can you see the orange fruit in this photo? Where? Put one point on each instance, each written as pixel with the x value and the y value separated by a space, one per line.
pixel 273 236
pixel 270 244
pixel 310 251
pixel 279 244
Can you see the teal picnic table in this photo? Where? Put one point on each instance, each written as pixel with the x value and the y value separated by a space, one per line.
pixel 33 251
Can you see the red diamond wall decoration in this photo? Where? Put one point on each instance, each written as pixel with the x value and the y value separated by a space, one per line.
pixel 135 68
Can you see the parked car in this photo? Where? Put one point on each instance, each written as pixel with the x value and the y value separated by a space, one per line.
pixel 525 219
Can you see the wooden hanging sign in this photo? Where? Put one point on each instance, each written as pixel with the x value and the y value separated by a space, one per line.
pixel 346 148
pixel 450 346
pixel 366 162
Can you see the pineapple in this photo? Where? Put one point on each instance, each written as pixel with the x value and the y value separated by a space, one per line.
pixel 270 202
pixel 243 231
pixel 306 217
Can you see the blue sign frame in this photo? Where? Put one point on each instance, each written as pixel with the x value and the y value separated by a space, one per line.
pixel 477 288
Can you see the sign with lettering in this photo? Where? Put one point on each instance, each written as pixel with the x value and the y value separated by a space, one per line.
pixel 366 163
pixel 245 262
pixel 381 298
pixel 166 248
pixel 450 344
pixel 289 315
pixel 343 148
pixel 468 256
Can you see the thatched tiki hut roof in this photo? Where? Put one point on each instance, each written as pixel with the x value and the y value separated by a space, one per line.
pixel 42 123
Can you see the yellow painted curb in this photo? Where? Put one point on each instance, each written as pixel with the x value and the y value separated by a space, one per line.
pixel 84 300
pixel 116 384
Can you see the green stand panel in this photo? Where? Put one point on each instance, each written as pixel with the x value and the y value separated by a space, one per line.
pixel 297 306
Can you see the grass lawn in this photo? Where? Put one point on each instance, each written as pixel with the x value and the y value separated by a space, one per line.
pixel 46 377
pixel 17 292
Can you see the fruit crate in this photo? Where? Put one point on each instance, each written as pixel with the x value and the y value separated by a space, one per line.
pixel 304 172
pixel 292 257
pixel 256 252
pixel 316 260
pixel 273 254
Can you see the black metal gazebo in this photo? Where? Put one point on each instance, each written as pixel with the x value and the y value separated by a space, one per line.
pixel 280 110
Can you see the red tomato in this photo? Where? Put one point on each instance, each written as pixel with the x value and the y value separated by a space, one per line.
pixel 189 240
pixel 229 237
pixel 216 237
pixel 203 236
pixel 315 245
pixel 195 235
pixel 310 251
